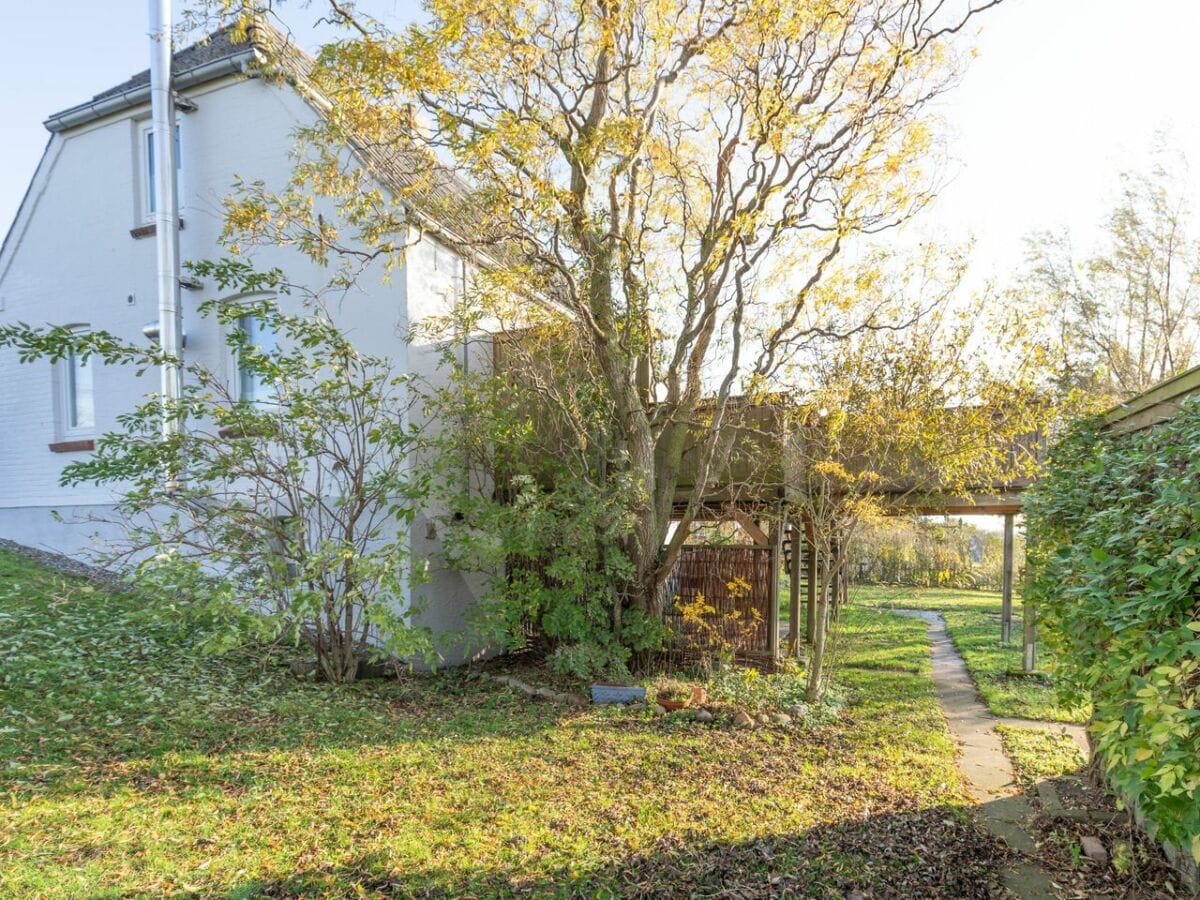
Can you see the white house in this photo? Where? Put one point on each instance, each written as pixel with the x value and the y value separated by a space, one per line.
pixel 81 252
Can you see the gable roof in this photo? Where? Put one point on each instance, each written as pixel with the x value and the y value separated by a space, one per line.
pixel 214 57
pixel 436 194
pixel 216 47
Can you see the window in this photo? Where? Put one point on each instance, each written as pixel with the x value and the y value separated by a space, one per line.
pixel 77 414
pixel 252 387
pixel 149 186
pixel 80 409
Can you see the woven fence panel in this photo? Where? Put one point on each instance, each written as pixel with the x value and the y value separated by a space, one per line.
pixel 736 582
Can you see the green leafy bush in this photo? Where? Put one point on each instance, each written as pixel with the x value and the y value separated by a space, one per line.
pixel 749 688
pixel 1114 537
pixel 280 508
pixel 553 560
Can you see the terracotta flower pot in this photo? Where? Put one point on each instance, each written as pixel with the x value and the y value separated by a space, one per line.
pixel 671 704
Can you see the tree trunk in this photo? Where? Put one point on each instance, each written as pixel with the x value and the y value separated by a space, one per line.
pixel 815 688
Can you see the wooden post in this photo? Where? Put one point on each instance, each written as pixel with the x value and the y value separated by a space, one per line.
pixel 1030 637
pixel 775 531
pixel 797 542
pixel 810 546
pixel 1006 582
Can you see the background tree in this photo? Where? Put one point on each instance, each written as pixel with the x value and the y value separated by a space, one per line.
pixel 674 176
pixel 918 552
pixel 281 515
pixel 1128 314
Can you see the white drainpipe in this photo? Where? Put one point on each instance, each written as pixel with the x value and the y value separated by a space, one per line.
pixel 166 213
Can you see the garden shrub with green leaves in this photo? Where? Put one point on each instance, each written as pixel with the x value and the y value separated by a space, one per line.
pixel 280 506
pixel 783 691
pixel 1114 537
pixel 553 559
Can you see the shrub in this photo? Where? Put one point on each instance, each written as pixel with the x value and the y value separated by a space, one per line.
pixel 1114 536
pixel 552 561
pixel 279 517
pixel 747 687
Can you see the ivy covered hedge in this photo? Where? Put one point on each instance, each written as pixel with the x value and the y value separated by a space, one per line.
pixel 1114 561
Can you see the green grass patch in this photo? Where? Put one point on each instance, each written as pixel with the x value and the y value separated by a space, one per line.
pixel 130 764
pixel 1039 753
pixel 973 621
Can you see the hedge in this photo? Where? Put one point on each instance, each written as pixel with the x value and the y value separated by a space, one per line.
pixel 1114 567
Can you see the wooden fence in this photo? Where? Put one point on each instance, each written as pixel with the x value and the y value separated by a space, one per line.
pixel 736 581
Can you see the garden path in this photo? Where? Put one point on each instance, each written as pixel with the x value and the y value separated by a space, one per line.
pixel 991 783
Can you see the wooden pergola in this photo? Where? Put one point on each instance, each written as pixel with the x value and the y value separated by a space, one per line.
pixel 761 475
pixel 1156 405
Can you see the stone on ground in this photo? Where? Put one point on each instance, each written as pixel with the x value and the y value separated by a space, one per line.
pixel 1093 849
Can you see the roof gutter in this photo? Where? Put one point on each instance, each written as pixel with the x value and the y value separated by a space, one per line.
pixel 239 63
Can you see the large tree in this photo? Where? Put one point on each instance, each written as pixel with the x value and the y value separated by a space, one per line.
pixel 1128 312
pixel 676 176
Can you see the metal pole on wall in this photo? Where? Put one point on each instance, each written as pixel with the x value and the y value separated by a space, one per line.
pixel 166 209
pixel 1006 582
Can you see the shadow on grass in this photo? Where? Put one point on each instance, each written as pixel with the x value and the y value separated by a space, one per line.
pixel 214 746
pixel 936 852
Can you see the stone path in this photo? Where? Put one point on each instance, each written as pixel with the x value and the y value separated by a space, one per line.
pixel 1000 806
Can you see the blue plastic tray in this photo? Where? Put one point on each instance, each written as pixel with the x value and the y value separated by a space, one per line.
pixel 617 693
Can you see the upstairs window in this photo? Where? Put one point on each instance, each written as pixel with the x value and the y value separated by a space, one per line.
pixel 77 415
pixel 149 169
pixel 252 386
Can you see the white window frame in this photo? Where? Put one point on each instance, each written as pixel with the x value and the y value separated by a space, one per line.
pixel 145 179
pixel 66 396
pixel 237 379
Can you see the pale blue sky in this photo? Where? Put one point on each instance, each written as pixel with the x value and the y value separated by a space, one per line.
pixel 1063 95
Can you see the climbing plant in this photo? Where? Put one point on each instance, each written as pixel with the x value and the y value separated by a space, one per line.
pixel 1114 551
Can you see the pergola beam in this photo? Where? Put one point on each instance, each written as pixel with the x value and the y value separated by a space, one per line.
pixel 749 526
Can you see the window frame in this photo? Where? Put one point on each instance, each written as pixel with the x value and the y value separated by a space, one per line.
pixel 239 376
pixel 146 191
pixel 66 416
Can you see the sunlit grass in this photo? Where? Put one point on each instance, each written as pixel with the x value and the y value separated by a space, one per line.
pixel 973 621
pixel 131 764
pixel 1038 753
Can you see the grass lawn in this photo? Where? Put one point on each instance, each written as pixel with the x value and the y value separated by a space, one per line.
pixel 1038 754
pixel 132 765
pixel 973 620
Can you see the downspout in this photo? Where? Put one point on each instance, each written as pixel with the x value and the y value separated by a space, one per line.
pixel 466 360
pixel 166 216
